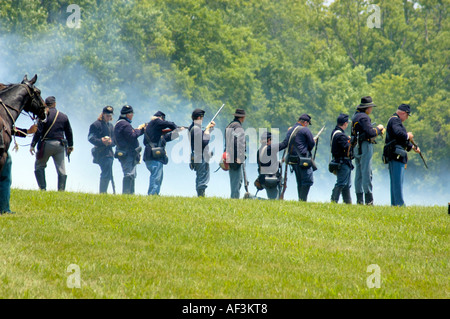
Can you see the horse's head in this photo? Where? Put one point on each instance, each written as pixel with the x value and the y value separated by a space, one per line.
pixel 36 106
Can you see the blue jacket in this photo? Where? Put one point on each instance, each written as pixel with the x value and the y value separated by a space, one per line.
pixel 197 134
pixel 362 125
pixel 396 131
pixel 60 129
pixel 100 129
pixel 154 135
pixel 303 143
pixel 126 138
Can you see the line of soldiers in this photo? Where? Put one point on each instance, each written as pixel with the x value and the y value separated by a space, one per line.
pixel 54 139
pixel 298 145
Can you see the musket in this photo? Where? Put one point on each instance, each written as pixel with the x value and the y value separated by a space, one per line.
pixel 286 160
pixel 283 190
pixel 317 141
pixel 420 153
pixel 217 113
pixel 168 130
pixel 247 193
pixel 113 184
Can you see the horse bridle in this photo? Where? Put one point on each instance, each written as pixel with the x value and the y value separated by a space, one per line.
pixel 33 97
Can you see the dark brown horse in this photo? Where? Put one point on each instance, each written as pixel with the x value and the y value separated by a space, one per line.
pixel 15 98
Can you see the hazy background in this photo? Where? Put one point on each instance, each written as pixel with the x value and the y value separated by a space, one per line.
pixel 80 94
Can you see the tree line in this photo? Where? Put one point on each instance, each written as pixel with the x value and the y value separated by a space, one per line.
pixel 275 59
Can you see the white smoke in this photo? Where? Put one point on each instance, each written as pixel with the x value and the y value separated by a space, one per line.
pixel 76 89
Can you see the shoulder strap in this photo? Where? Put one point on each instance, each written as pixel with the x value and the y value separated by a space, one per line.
pixel 387 133
pixel 54 120
pixel 293 134
pixel 334 134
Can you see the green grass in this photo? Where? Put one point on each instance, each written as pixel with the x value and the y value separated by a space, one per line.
pixel 174 247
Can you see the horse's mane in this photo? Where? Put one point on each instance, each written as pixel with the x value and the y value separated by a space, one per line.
pixel 5 86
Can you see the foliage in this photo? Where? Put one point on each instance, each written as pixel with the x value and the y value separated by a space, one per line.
pixel 276 59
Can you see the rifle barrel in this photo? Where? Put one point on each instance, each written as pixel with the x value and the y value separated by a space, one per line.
pixel 420 153
pixel 217 113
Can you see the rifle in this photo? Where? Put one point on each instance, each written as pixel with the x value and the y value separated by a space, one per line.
pixel 286 160
pixel 317 141
pixel 217 113
pixel 113 184
pixel 247 193
pixel 283 189
pixel 168 130
pixel 315 151
pixel 420 153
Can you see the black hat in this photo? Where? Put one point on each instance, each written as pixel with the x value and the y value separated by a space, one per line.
pixel 50 100
pixel 108 110
pixel 405 108
pixel 197 112
pixel 342 118
pixel 265 136
pixel 305 117
pixel 126 109
pixel 239 113
pixel 160 114
pixel 366 102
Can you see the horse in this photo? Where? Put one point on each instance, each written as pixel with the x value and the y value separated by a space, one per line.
pixel 15 98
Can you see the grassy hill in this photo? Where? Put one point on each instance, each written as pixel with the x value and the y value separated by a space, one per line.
pixel 173 247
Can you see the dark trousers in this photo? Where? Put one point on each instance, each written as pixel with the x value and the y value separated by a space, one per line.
pixel 343 184
pixel 5 186
pixel 236 177
pixel 106 175
pixel 129 173
pixel 202 175
pixel 397 174
pixel 304 177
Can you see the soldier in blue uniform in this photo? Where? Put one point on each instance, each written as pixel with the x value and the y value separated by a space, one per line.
pixel 235 147
pixel 200 154
pixel 301 146
pixel 5 174
pixel 52 138
pixel 364 135
pixel 127 147
pixel 341 152
pixel 155 138
pixel 101 135
pixel 400 142
pixel 269 176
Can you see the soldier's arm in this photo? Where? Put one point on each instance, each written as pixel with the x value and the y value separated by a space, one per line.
pixel 368 129
pixel 92 136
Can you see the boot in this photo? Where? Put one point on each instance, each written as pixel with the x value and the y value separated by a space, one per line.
pixel 132 182
pixel 335 194
pixel 360 198
pixel 347 198
pixel 201 192
pixel 369 199
pixel 126 185
pixel 104 182
pixel 304 190
pixel 62 183
pixel 40 178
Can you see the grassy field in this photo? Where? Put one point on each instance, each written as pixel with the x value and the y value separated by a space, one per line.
pixel 174 247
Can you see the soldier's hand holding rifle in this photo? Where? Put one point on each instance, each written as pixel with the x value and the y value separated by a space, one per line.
pixel 210 127
pixel 415 147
